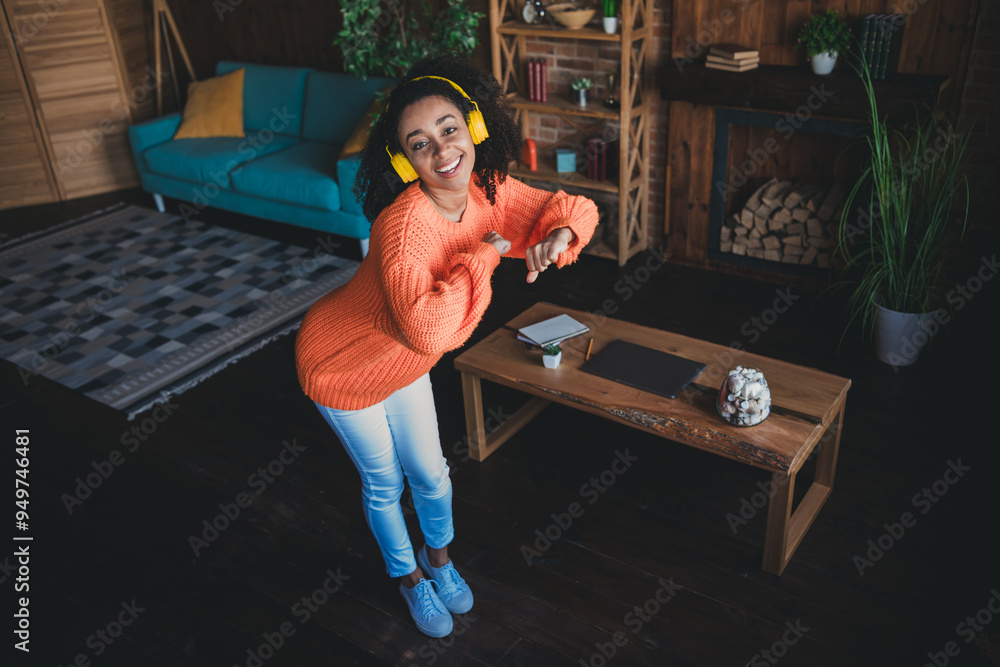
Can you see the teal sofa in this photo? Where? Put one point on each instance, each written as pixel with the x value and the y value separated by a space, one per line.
pixel 285 169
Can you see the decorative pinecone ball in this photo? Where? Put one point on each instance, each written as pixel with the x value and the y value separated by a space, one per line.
pixel 744 398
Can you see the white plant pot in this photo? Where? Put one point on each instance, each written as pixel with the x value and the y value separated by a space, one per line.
pixel 822 63
pixel 611 24
pixel 899 337
pixel 581 96
pixel 552 360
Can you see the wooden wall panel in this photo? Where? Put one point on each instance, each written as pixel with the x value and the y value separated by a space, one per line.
pixel 937 41
pixel 132 29
pixel 937 31
pixel 25 178
pixel 691 130
pixel 75 85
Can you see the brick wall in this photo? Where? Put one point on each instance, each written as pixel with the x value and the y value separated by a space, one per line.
pixel 980 108
pixel 568 60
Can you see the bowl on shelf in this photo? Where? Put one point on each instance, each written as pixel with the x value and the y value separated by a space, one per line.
pixel 571 15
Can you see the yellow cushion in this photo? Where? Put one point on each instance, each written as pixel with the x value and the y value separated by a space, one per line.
pixel 359 137
pixel 214 108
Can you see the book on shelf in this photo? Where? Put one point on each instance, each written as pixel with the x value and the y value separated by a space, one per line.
pixel 895 24
pixel 731 61
pixel 733 51
pixel 531 81
pixel 597 159
pixel 870 36
pixel 543 84
pixel 880 38
pixel 743 67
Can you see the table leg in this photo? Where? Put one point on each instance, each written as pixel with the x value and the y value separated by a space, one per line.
pixel 481 443
pixel 785 529
pixel 475 425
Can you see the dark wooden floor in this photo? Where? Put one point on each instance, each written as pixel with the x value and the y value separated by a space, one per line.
pixel 652 572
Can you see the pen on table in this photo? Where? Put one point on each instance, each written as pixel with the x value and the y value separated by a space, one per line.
pixel 589 348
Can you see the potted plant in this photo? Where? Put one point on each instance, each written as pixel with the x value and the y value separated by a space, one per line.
pixel 823 37
pixel 610 9
pixel 374 41
pixel 551 356
pixel 580 88
pixel 910 198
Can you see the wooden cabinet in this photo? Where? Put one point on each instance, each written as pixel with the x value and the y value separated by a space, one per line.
pixel 67 97
pixel 630 124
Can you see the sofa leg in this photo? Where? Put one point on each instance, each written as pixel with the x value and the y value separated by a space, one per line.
pixel 364 247
pixel 158 198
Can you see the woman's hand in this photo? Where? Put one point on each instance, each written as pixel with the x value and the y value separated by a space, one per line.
pixel 500 243
pixel 540 255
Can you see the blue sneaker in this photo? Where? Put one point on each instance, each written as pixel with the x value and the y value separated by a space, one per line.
pixel 430 615
pixel 452 589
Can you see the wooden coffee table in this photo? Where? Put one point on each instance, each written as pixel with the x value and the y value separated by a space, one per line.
pixel 806 405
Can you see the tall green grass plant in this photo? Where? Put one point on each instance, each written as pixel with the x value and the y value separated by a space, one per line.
pixel 901 218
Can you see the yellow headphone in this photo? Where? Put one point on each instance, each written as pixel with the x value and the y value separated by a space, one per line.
pixel 474 119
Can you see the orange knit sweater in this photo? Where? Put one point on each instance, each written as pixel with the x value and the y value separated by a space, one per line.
pixel 422 289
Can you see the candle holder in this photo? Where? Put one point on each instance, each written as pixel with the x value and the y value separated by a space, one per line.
pixel 611 102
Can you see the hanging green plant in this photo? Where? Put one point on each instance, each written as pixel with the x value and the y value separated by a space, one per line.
pixel 387 38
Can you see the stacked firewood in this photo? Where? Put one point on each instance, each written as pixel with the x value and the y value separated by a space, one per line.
pixel 786 222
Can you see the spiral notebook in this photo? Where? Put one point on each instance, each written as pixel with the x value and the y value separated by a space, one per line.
pixel 644 368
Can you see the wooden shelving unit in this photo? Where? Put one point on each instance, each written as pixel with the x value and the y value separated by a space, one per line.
pixel 509 36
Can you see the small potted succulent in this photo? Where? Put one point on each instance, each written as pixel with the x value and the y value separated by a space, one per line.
pixel 823 37
pixel 581 88
pixel 551 356
pixel 610 9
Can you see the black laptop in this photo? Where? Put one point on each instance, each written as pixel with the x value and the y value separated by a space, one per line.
pixel 644 368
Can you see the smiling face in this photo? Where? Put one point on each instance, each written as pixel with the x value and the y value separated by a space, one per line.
pixel 436 139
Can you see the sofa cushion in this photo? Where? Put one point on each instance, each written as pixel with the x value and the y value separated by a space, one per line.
pixel 304 174
pixel 214 108
pixel 209 160
pixel 272 96
pixel 335 103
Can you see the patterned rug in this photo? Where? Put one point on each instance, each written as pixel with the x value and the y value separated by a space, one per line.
pixel 130 306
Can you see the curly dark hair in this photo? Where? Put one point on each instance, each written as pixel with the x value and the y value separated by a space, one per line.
pixel 377 183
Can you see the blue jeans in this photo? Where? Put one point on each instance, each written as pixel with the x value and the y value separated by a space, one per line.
pixel 386 441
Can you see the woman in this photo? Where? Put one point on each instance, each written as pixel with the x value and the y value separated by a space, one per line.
pixel 364 350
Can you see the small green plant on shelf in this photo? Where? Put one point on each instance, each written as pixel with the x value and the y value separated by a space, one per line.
pixel 582 83
pixel 610 8
pixel 825 32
